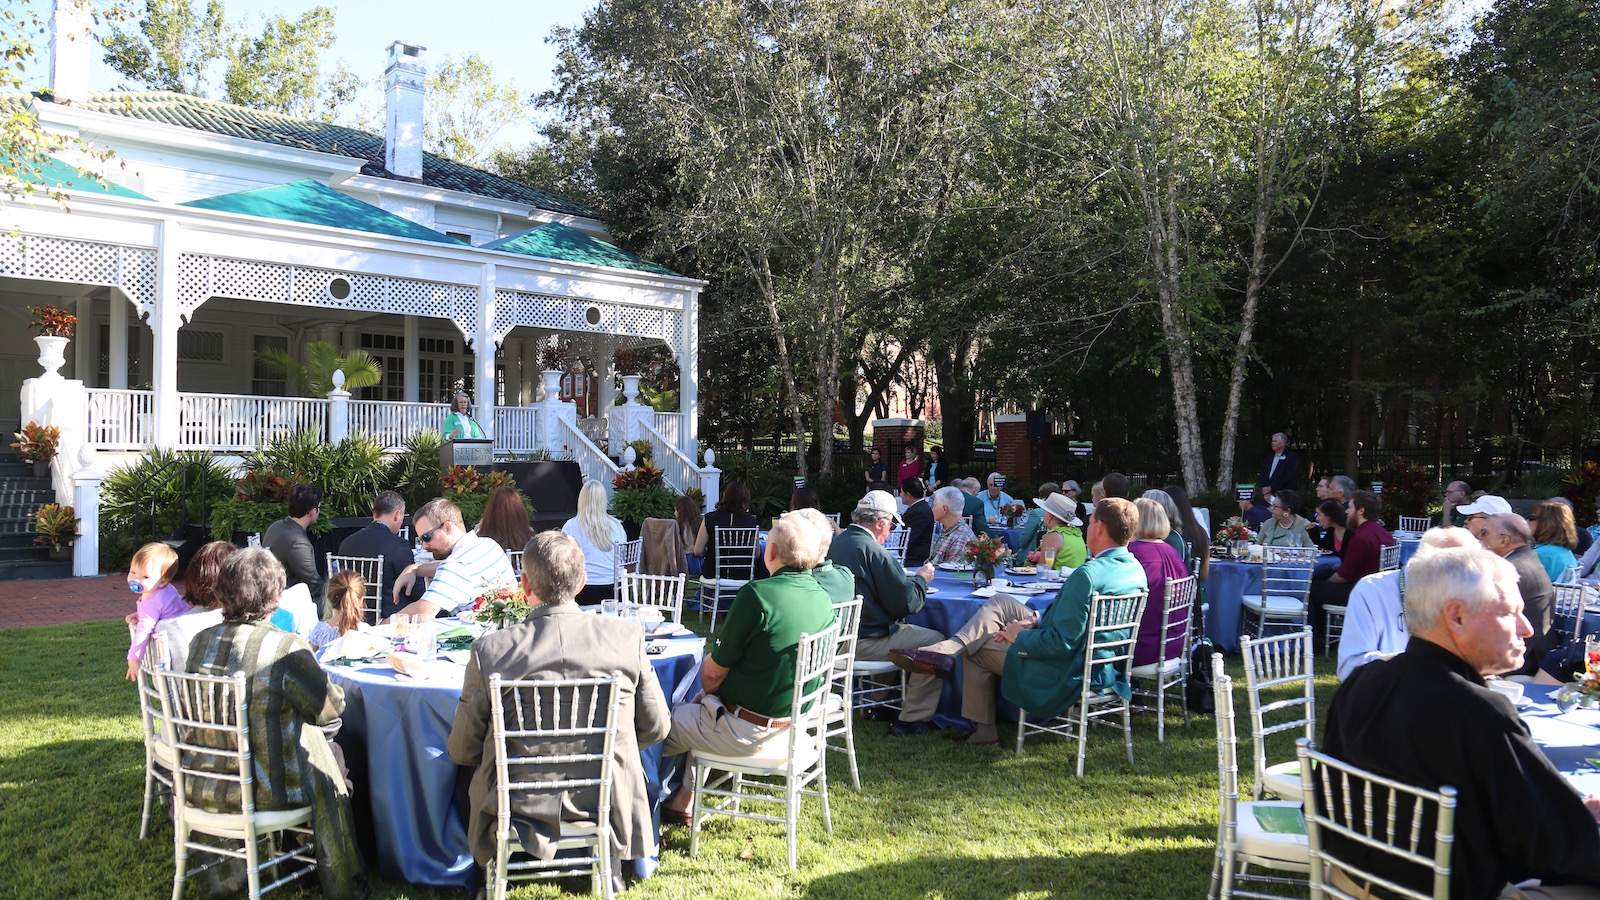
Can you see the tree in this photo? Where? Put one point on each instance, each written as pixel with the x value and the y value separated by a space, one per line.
pixel 314 377
pixel 173 47
pixel 467 109
pixel 281 69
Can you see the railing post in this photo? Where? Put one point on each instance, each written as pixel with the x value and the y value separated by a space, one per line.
pixel 626 419
pixel 551 411
pixel 710 480
pixel 86 506
pixel 338 410
pixel 164 325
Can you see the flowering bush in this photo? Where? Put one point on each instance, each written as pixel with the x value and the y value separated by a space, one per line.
pixel 1407 490
pixel 986 550
pixel 500 608
pixel 52 321
pixel 37 443
pixel 1232 531
pixel 1583 486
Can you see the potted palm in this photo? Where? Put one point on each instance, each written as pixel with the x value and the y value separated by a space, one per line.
pixel 57 528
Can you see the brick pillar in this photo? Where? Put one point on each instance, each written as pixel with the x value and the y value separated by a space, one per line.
pixel 1017 456
pixel 892 436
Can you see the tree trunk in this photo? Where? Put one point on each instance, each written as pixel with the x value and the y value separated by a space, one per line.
pixel 1353 432
pixel 956 403
pixel 763 272
pixel 1247 328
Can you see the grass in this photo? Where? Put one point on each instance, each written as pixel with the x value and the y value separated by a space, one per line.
pixel 932 819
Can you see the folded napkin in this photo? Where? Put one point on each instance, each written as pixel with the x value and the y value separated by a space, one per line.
pixel 458 638
pixel 355 647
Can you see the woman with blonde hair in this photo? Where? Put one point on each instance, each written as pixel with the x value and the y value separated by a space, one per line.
pixel 598 535
pixel 1161 564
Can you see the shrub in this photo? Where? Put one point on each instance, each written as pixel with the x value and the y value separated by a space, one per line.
pixel 1582 487
pixel 641 494
pixel 1408 490
pixel 414 472
pixel 125 495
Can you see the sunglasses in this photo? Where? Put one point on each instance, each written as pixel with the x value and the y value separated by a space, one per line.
pixel 427 536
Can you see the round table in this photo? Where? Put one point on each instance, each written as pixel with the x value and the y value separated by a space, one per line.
pixel 394 734
pixel 1569 740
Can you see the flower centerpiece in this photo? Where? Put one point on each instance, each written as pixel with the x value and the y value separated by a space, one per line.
pixel 1012 511
pixel 500 608
pixel 985 552
pixel 1234 533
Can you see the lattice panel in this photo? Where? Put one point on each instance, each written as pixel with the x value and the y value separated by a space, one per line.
pixel 513 308
pixel 244 280
pixel 131 269
pixel 204 277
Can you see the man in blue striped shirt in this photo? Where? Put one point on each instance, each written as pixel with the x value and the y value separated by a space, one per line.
pixel 467 566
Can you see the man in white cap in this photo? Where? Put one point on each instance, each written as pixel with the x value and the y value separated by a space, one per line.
pixel 1476 515
pixel 888 595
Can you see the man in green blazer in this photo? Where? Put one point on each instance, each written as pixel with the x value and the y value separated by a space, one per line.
pixel 1039 661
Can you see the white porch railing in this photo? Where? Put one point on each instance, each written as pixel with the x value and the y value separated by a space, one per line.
pixel 596 465
pixel 240 423
pixel 390 423
pixel 516 429
pixel 120 420
pixel 670 425
pixel 679 470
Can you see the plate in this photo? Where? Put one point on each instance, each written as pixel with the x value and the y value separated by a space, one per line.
pixel 1023 570
pixel 955 567
pixel 933 590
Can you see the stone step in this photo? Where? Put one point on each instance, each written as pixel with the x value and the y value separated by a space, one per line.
pixel 34 569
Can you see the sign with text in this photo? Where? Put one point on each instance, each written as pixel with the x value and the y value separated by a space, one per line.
pixel 1080 449
pixel 1377 488
pixel 1244 491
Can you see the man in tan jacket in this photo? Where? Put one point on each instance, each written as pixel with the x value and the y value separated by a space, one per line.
pixel 558 640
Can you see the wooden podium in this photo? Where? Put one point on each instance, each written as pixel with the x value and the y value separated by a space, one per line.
pixel 477 452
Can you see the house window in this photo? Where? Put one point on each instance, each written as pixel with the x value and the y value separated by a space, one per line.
pixel 200 346
pixel 463 238
pixel 103 372
pixel 265 382
pixel 389 352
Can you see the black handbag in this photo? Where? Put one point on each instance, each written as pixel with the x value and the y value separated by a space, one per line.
pixel 1197 689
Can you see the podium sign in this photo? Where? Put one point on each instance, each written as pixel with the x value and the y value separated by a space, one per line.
pixel 466 452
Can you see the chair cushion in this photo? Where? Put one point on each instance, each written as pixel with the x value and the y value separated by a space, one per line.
pixel 1335 610
pixel 872 667
pixel 806 755
pixel 1283 781
pixel 1254 840
pixel 230 823
pixel 1169 668
pixel 1275 604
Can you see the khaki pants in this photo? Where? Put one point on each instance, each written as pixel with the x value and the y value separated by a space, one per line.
pixel 1345 883
pixel 707 726
pixel 986 657
pixel 922 691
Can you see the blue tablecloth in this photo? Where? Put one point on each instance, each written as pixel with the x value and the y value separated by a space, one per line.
pixel 1011 537
pixel 945 613
pixel 397 731
pixel 1569 741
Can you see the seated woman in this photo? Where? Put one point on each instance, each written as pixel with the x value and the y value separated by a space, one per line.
pixel 1161 564
pixel 505 520
pixel 597 535
pixel 807 498
pixel 733 511
pixel 1174 537
pixel 1330 517
pixel 1286 528
pixel 459 423
pixel 200 592
pixel 1194 534
pixel 286 691
pixel 347 597
pixel 1555 537
pixel 688 516
pixel 1033 526
pixel 1063 534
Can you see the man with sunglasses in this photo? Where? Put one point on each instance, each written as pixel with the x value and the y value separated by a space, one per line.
pixel 467 566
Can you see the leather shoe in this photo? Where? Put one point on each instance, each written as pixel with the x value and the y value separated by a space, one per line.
pixel 965 737
pixel 676 817
pixel 901 728
pixel 922 661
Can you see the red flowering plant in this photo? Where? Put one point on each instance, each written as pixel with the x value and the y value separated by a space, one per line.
pixel 263 485
pixel 52 321
pixel 37 443
pixel 1583 488
pixel 1013 509
pixel 986 551
pixel 1407 490
pixel 500 607
pixel 461 479
pixel 553 357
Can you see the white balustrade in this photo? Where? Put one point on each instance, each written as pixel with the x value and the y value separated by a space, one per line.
pixel 239 423
pixel 516 429
pixel 679 471
pixel 390 422
pixel 595 464
pixel 670 425
pixel 119 420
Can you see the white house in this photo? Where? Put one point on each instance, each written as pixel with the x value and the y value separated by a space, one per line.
pixel 228 230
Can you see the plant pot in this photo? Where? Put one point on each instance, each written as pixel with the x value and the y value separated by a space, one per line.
pixel 41 468
pixel 52 354
pixel 632 529
pixel 61 553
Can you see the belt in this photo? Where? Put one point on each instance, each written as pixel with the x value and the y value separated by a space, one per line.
pixel 755 718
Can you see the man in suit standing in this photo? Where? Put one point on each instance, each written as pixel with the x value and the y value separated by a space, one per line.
pixel 291 545
pixel 382 538
pixel 1280 468
pixel 558 640
pixel 918 518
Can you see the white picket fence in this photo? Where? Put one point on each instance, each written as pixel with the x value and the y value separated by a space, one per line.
pixel 390 423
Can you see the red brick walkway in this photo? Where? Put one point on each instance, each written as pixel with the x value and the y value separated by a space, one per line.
pixel 24 604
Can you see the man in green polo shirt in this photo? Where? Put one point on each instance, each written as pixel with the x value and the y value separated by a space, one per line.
pixel 748 677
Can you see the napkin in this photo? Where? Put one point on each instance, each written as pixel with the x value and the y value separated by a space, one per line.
pixel 356 646
pixel 458 638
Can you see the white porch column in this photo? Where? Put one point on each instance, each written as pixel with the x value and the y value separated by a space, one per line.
pixel 483 349
pixel 117 353
pixel 164 330
pixel 689 379
pixel 605 369
pixel 411 339
pixel 338 410
pixel 526 366
pixel 83 351
pixel 350 339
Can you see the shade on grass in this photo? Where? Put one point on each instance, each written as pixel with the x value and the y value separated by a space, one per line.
pixel 932 819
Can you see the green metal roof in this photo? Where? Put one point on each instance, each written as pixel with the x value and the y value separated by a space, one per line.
pixel 555 241
pixel 53 173
pixel 314 203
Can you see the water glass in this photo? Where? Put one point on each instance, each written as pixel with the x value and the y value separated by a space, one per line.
pixel 1567 698
pixel 608 606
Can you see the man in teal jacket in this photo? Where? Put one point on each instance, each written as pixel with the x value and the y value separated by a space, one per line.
pixel 1039 661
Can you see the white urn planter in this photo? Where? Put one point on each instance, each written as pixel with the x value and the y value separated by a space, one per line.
pixel 552 383
pixel 52 354
pixel 630 387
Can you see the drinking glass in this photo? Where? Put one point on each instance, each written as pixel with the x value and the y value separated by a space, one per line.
pixel 608 606
pixel 1050 558
pixel 1567 698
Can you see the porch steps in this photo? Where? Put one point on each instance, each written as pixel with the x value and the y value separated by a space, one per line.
pixel 21 494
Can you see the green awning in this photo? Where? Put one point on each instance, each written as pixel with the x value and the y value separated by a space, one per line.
pixel 314 203
pixel 53 173
pixel 553 241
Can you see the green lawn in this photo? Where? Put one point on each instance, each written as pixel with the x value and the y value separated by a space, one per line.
pixel 932 819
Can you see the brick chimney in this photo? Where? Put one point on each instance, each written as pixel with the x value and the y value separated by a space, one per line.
pixel 403 85
pixel 71 48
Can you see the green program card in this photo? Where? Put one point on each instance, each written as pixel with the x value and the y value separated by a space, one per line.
pixel 1593 763
pixel 1280 819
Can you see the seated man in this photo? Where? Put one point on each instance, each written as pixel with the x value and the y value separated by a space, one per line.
pixel 1475 516
pixel 972 507
pixel 748 676
pixel 467 566
pixel 951 547
pixel 994 497
pixel 1365 538
pixel 556 641
pixel 1039 661
pixel 288 542
pixel 888 595
pixel 1510 537
pixel 1427 718
pixel 1375 626
pixel 382 538
pixel 919 521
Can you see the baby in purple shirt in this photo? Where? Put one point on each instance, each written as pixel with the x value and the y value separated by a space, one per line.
pixel 150 576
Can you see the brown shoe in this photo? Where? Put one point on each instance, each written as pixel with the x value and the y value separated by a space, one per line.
pixel 922 661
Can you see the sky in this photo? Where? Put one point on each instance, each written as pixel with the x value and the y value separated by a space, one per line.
pixel 509 36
